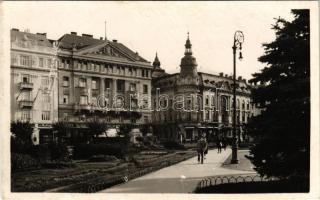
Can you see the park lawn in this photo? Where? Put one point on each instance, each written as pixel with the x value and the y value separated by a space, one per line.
pixel 49 179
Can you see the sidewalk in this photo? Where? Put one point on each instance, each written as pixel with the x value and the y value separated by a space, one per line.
pixel 182 177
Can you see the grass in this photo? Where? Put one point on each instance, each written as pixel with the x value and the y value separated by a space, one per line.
pixel 48 179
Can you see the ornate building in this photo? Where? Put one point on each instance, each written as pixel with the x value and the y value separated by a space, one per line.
pixel 191 102
pixel 104 79
pixel 34 82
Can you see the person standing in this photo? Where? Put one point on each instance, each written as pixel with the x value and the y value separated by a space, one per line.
pixel 201 147
pixel 219 145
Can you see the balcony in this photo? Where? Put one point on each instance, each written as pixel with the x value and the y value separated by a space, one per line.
pixel 26 86
pixel 26 104
pixel 82 107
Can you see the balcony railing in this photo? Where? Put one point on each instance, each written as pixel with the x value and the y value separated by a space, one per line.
pixel 26 86
pixel 26 104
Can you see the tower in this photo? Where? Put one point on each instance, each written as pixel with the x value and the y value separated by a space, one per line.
pixel 188 66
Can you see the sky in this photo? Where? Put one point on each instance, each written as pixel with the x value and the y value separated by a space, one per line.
pixel 150 27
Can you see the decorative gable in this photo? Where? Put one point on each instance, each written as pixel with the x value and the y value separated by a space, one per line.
pixel 104 50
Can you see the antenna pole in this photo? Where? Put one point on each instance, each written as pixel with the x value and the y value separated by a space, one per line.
pixel 105 30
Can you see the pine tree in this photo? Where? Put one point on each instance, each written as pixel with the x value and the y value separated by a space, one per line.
pixel 283 93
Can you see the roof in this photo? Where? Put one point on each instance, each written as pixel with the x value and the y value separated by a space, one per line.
pixel 39 39
pixel 68 41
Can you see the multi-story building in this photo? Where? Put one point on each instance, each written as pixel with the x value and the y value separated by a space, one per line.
pixel 34 82
pixel 191 102
pixel 103 78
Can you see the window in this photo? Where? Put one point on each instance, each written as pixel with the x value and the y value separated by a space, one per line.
pixel 26 96
pixel 82 82
pixel 120 85
pixel 45 81
pixel 25 61
pixel 45 115
pixel 118 70
pixel 83 100
pixel 207 100
pixel 130 71
pixel 94 101
pixel 248 106
pixel 107 82
pixel 94 84
pixel 65 81
pixel 65 116
pixel 25 115
pixel 212 101
pixel 41 62
pixel 25 78
pixel 65 99
pixel 207 114
pixel 132 87
pixel 134 72
pixel 142 72
pixel 145 89
pixel 46 98
pixel 147 73
pixel 238 104
pixel 49 63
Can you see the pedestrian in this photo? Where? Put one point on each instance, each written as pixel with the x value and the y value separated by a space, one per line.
pixel 201 146
pixel 206 149
pixel 224 143
pixel 219 145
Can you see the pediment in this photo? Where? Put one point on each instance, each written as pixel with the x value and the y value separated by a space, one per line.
pixel 103 49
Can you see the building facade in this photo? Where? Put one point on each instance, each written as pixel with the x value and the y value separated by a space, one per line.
pixel 101 79
pixel 190 103
pixel 34 82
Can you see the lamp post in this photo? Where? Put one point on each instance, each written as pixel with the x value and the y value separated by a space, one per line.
pixel 237 45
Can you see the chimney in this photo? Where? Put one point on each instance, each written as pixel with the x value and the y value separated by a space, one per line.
pixel 87 35
pixel 44 34
pixel 245 80
pixel 221 74
pixel 101 38
pixel 114 40
pixel 240 78
pixel 226 75
pixel 15 29
pixel 73 33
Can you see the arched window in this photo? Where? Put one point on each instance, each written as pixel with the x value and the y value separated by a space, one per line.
pixel 224 104
pixel 238 104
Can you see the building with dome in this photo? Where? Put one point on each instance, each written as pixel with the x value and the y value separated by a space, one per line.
pixel 190 103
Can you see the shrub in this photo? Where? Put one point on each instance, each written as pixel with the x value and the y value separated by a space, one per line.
pixel 102 158
pixel 139 139
pixel 59 152
pixel 40 152
pixel 85 151
pixel 23 162
pixel 59 164
pixel 170 144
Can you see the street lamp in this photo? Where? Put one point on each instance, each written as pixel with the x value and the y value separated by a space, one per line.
pixel 237 45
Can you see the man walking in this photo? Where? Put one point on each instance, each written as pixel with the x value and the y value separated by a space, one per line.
pixel 201 147
pixel 219 145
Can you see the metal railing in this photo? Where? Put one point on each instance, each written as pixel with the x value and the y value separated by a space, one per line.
pixel 217 180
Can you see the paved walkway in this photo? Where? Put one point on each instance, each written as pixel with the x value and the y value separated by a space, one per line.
pixel 182 177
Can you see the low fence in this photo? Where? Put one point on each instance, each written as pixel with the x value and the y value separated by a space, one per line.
pixel 217 180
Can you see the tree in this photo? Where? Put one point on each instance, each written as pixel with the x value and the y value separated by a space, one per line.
pixel 96 127
pixel 61 129
pixel 22 132
pixel 283 93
